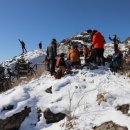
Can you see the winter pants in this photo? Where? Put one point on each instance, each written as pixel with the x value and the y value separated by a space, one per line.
pixel 52 64
pixel 99 56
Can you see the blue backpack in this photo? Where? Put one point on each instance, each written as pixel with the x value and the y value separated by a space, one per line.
pixel 117 61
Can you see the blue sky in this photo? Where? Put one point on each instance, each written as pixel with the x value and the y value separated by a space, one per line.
pixel 41 20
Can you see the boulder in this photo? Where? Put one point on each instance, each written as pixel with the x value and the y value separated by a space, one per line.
pixel 8 108
pixel 14 122
pixel 49 90
pixel 110 126
pixel 53 117
pixel 101 98
pixel 123 108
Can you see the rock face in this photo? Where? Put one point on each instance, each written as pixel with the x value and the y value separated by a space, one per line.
pixel 124 108
pixel 49 90
pixel 8 108
pixel 52 117
pixel 14 122
pixel 110 126
pixel 101 98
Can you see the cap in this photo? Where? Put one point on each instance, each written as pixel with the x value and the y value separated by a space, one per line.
pixel 89 31
pixel 54 40
pixel 62 54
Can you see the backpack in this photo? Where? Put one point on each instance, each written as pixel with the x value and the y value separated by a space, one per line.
pixel 60 72
pixel 58 61
pixel 117 61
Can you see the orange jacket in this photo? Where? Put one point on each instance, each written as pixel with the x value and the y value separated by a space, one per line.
pixel 86 52
pixel 98 40
pixel 73 55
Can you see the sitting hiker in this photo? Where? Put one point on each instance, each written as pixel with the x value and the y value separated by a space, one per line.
pixel 62 60
pixel 73 56
pixel 91 58
pixel 61 65
pixel 86 53
pixel 117 61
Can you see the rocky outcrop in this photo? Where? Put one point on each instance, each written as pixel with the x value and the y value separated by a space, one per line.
pixel 49 90
pixel 101 98
pixel 52 117
pixel 14 122
pixel 110 126
pixel 8 108
pixel 127 40
pixel 123 108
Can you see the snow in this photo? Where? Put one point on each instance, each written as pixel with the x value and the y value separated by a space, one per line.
pixel 80 41
pixel 36 56
pixel 74 94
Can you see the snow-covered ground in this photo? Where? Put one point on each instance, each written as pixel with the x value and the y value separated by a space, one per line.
pixel 75 95
pixel 36 56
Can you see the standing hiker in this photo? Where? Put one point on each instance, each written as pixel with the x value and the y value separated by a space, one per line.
pixel 98 42
pixel 51 55
pixel 115 41
pixel 23 46
pixel 40 45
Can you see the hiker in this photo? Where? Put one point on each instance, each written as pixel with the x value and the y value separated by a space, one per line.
pixel 117 61
pixel 98 42
pixel 51 55
pixel 40 45
pixel 61 65
pixel 23 46
pixel 115 41
pixel 73 56
pixel 86 53
pixel 2 72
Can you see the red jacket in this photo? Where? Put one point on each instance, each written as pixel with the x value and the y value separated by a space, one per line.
pixel 98 40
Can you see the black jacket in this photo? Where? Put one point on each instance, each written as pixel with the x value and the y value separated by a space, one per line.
pixel 52 50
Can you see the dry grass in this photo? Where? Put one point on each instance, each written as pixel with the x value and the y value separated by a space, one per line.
pixel 128 75
pixel 24 80
pixel 70 124
pixel 125 69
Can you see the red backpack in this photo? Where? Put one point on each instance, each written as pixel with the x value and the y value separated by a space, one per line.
pixel 57 61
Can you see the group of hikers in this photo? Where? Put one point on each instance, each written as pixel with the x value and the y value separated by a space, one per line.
pixel 59 64
pixel 24 50
pixel 93 54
